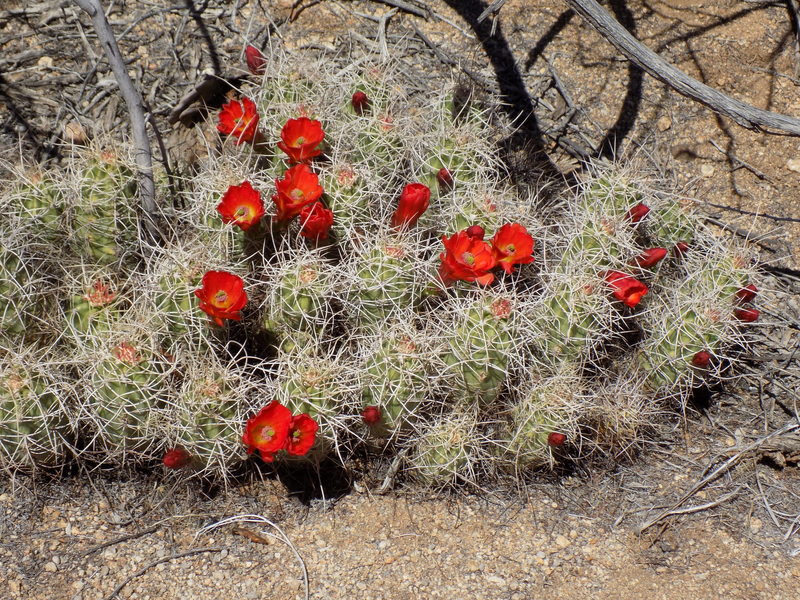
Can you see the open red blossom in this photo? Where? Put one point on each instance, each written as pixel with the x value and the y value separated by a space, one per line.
pixel 360 103
pixel 466 259
pixel 298 188
pixel 316 221
pixel 256 61
pixel 414 200
pixel 638 212
pixel 701 359
pixel 300 138
pixel 302 433
pixel 371 415
pixel 222 296
pixel 747 293
pixel 241 205
pixel 650 257
pixel 239 119
pixel 177 458
pixel 556 439
pixel 748 315
pixel 512 245
pixel 268 431
pixel 627 288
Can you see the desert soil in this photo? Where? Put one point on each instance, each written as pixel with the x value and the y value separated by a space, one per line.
pixel 569 536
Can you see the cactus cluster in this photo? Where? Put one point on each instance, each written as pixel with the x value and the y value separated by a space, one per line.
pixel 400 291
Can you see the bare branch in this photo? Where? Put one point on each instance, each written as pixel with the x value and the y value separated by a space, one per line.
pixel 133 100
pixel 743 114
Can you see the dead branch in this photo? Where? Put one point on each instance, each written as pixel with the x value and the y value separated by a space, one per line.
pixel 745 115
pixel 133 100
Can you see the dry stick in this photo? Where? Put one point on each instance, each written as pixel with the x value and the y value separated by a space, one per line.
pixel 164 559
pixel 743 114
pixel 675 508
pixel 144 155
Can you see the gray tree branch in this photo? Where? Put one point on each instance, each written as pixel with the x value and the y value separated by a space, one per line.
pixel 743 114
pixel 133 100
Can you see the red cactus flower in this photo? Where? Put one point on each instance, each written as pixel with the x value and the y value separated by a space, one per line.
pixel 414 200
pixel 475 231
pixel 466 259
pixel 637 213
pixel 701 359
pixel 747 294
pixel 300 138
pixel 256 61
pixel 360 103
pixel 176 458
pixel 748 315
pixel 222 296
pixel 556 439
pixel 100 294
pixel 650 257
pixel 239 119
pixel 512 245
pixel 268 431
pixel 371 415
pixel 627 288
pixel 680 249
pixel 445 179
pixel 298 188
pixel 241 205
pixel 316 221
pixel 302 433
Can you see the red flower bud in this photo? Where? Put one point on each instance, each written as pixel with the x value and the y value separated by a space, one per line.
pixel 649 257
pixel 177 458
pixel 414 200
pixel 316 221
pixel 701 359
pixel 680 249
pixel 556 439
pixel 638 212
pixel 256 61
pixel 360 103
pixel 371 415
pixel 747 293
pixel 748 315
pixel 445 179
pixel 475 232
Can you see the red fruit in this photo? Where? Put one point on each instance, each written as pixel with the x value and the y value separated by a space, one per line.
pixel 256 61
pixel 638 212
pixel 649 257
pixel 177 458
pixel 445 179
pixel 414 201
pixel 626 288
pixel 371 415
pixel 701 359
pixel 556 439
pixel 748 315
pixel 360 103
pixel 747 293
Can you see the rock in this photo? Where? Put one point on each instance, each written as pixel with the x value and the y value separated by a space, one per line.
pixel 793 164
pixel 562 542
pixel 50 567
pixel 707 170
pixel 664 123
